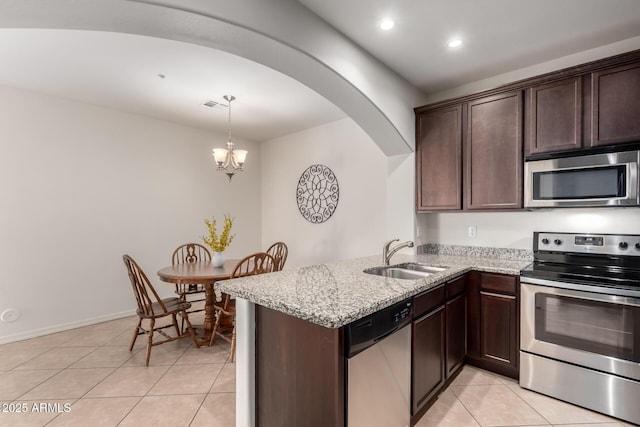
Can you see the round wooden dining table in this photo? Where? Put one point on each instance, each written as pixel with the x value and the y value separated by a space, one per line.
pixel 200 273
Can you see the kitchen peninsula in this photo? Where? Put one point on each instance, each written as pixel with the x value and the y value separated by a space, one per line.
pixel 290 350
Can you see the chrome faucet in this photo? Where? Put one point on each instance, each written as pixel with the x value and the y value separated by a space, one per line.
pixel 387 254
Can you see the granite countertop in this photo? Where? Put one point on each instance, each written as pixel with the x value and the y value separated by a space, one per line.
pixel 335 294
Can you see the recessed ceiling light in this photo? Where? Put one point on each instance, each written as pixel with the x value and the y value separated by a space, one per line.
pixel 455 43
pixel 386 24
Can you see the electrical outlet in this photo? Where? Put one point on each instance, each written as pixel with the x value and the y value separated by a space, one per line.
pixel 473 231
pixel 418 233
pixel 10 315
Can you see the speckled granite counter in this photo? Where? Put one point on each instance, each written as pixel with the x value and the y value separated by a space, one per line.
pixel 335 294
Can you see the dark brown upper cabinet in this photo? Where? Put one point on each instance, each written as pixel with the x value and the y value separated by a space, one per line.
pixel 493 152
pixel 554 113
pixel 470 150
pixel 615 105
pixel 439 159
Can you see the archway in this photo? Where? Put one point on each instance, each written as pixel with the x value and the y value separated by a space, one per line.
pixel 283 35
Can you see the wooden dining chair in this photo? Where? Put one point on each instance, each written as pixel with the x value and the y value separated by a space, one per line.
pixel 151 307
pixel 279 252
pixel 258 263
pixel 186 253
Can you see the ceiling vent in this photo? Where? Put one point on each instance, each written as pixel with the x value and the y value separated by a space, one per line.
pixel 215 105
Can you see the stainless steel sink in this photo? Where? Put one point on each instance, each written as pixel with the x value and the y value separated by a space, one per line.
pixel 414 266
pixel 407 271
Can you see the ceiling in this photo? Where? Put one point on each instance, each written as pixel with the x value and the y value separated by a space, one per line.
pixel 499 35
pixel 121 71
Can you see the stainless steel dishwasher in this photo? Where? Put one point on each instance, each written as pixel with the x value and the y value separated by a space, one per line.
pixel 378 350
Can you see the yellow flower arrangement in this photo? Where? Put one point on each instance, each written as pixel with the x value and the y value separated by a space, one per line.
pixel 215 242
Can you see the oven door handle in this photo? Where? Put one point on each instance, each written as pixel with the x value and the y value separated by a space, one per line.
pixel 586 292
pixel 493 294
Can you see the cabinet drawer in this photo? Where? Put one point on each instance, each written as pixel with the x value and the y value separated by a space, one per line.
pixel 427 301
pixel 456 287
pixel 499 283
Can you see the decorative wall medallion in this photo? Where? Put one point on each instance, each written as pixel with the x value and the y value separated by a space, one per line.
pixel 317 194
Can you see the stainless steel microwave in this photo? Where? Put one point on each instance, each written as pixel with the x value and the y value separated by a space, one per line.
pixel 609 179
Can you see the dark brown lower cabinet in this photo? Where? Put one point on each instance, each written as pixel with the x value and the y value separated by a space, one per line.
pixel 498 342
pixel 427 357
pixel 300 372
pixel 439 340
pixel 493 323
pixel 456 342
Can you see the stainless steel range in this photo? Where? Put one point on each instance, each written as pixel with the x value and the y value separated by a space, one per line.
pixel 580 321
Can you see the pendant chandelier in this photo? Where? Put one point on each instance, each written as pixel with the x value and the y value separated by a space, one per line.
pixel 229 160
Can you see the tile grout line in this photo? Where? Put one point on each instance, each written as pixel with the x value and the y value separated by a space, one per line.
pixel 103 379
pixel 206 396
pixel 465 406
pixel 134 353
pixel 37 385
pixel 57 415
pixel 70 367
pixel 124 417
pixel 527 403
pixel 154 384
pixel 503 383
pixel 34 357
pixel 195 414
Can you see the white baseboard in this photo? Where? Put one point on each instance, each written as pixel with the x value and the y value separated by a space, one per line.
pixel 65 327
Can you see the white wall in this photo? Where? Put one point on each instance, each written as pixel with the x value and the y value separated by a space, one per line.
pixel 358 227
pixel 401 206
pixel 515 229
pixel 81 185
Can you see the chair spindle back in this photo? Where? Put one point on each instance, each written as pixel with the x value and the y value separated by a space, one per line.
pixel 279 252
pixel 145 294
pixel 190 252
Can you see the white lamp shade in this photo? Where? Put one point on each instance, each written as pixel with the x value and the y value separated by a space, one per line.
pixel 220 154
pixel 239 156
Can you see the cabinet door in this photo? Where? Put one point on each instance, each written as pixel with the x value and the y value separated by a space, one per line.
pixel 615 105
pixel 456 311
pixel 555 116
pixel 439 159
pixel 427 357
pixel 493 152
pixel 473 316
pixel 499 323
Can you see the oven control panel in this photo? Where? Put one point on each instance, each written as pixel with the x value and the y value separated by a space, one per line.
pixel 609 244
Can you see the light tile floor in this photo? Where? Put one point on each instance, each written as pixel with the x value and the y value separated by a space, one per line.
pixel 480 398
pixel 92 372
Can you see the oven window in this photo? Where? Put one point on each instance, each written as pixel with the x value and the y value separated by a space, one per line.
pixel 598 327
pixel 587 183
